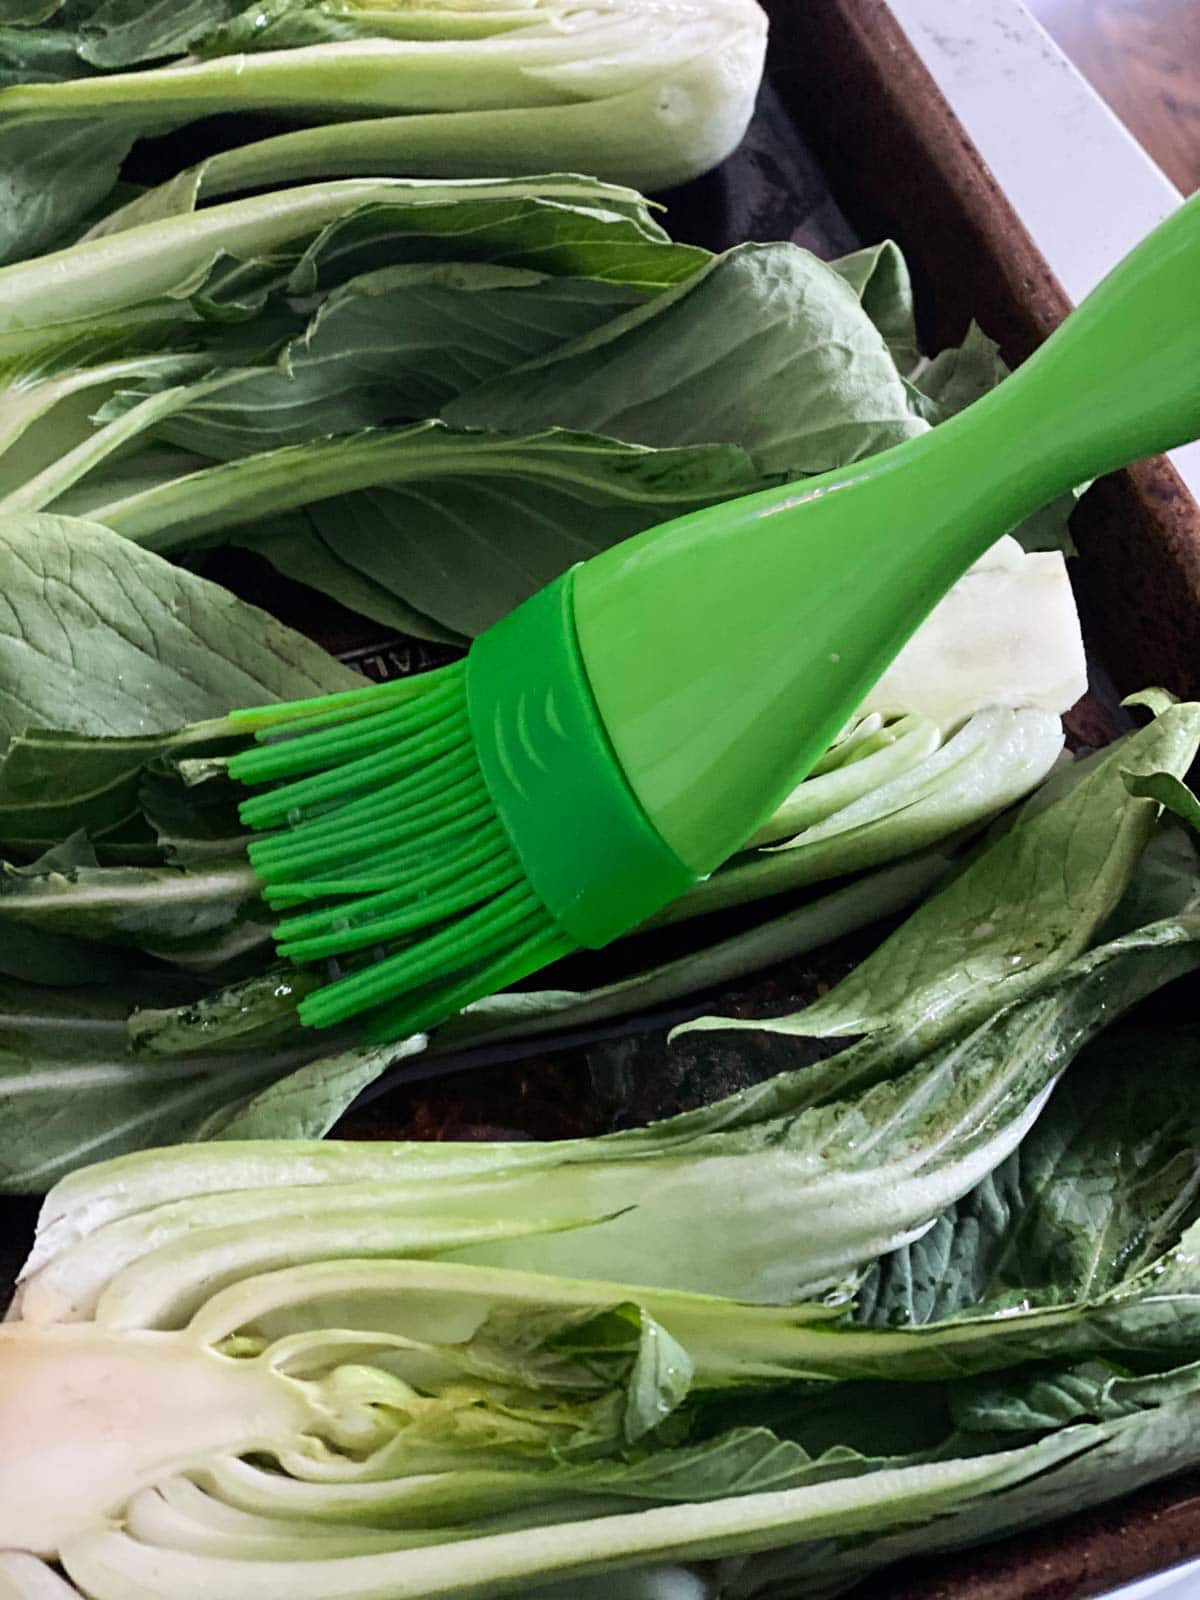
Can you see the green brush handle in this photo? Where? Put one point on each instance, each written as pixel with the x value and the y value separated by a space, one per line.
pixel 726 649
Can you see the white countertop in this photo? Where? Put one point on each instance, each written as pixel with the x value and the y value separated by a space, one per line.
pixel 1182 1583
pixel 1077 178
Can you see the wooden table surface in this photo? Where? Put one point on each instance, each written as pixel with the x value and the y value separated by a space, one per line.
pixel 1144 58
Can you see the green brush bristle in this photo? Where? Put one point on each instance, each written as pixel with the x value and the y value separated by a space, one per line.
pixel 389 828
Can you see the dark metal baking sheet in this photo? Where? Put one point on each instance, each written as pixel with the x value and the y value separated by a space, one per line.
pixel 851 142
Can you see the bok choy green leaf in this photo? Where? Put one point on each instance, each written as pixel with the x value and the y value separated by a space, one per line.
pixel 266 372
pixel 869 1146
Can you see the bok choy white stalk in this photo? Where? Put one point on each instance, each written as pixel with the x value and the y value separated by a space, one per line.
pixel 649 94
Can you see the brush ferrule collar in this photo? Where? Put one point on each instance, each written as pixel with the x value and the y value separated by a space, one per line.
pixel 590 852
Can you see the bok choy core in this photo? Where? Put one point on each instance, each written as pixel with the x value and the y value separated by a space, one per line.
pixel 645 93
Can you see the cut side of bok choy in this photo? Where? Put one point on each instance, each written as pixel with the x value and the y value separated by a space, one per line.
pixel 934 1297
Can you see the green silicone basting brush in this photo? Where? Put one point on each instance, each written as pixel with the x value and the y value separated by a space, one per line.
pixel 620 734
